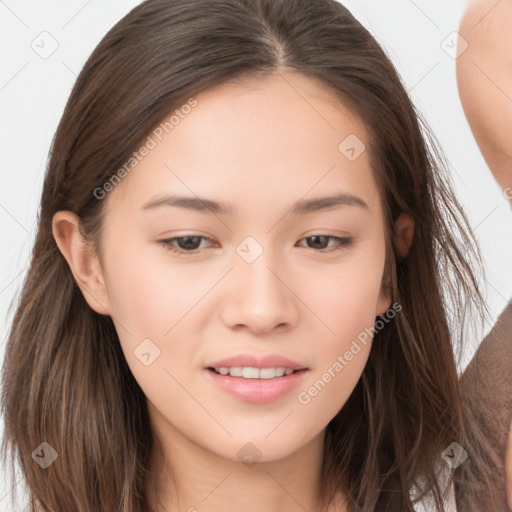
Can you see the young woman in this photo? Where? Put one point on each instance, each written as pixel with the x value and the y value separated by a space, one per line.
pixel 249 279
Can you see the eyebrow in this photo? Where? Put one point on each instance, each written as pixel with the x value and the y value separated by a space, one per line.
pixel 303 206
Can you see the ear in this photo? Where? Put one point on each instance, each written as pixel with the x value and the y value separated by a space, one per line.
pixel 81 259
pixel 404 234
pixel 402 239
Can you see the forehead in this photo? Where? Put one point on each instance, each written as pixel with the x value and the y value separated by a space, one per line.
pixel 251 139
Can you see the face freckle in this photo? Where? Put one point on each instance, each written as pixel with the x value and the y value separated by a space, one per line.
pixel 262 281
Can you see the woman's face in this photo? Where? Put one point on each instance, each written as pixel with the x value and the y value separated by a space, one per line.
pixel 258 277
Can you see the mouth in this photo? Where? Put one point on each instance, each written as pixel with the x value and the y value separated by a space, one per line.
pixel 250 372
pixel 256 385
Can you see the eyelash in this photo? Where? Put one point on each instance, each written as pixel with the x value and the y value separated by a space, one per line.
pixel 342 243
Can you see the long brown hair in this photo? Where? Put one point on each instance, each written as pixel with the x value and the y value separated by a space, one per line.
pixel 65 379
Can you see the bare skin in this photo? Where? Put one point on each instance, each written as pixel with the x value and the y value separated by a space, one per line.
pixel 293 300
pixel 484 74
pixel 485 83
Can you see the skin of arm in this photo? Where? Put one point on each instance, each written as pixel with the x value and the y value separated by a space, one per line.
pixel 484 76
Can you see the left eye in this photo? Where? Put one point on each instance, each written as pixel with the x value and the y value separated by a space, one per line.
pixel 341 242
pixel 189 244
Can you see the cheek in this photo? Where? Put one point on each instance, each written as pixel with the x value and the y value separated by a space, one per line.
pixel 152 307
pixel 151 299
pixel 149 295
pixel 347 300
pixel 347 308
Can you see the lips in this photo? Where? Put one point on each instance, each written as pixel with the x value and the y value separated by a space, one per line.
pixel 249 385
pixel 257 361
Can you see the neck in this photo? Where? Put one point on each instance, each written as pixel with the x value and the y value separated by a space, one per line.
pixel 192 478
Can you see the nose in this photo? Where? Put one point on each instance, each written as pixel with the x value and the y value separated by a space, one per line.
pixel 259 298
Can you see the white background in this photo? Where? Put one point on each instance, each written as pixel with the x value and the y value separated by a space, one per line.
pixel 33 92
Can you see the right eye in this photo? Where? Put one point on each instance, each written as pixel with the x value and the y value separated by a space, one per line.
pixel 186 244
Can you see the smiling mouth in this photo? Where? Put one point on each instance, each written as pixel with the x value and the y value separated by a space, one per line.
pixel 250 372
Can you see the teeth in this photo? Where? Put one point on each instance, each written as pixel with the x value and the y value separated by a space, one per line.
pixel 251 373
pixel 248 372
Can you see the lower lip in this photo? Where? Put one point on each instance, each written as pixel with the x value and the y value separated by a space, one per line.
pixel 257 391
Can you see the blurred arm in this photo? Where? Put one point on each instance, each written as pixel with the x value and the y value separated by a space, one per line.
pixel 484 75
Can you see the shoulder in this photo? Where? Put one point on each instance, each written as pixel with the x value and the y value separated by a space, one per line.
pixel 495 349
pixel 508 469
pixel 486 382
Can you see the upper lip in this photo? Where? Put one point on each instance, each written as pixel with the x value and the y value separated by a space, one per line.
pixel 257 361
